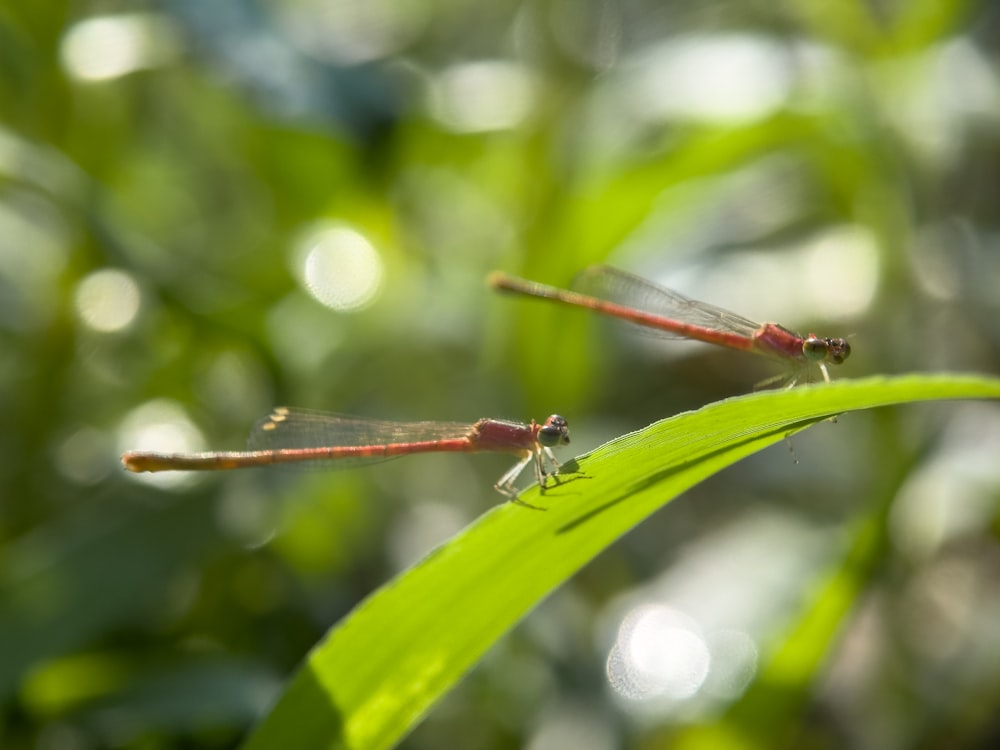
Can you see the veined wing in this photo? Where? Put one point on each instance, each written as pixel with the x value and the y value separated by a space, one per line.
pixel 623 288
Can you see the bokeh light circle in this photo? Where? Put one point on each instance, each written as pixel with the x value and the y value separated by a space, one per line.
pixel 108 300
pixel 339 267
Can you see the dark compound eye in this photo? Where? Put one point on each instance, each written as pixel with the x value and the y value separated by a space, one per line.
pixel 838 350
pixel 834 351
pixel 554 432
pixel 815 349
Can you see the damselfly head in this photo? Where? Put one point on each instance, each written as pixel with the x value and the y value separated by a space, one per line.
pixel 817 349
pixel 554 432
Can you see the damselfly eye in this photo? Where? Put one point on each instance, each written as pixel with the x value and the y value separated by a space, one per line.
pixel 834 351
pixel 815 349
pixel 838 350
pixel 554 432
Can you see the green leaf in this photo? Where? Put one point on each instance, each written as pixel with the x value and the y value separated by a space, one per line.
pixel 57 587
pixel 387 663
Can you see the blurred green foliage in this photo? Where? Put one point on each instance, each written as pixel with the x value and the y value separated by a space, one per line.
pixel 164 170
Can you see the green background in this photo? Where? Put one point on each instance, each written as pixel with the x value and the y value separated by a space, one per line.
pixel 855 194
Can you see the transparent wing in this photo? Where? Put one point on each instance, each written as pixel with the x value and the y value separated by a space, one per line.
pixel 290 428
pixel 623 288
